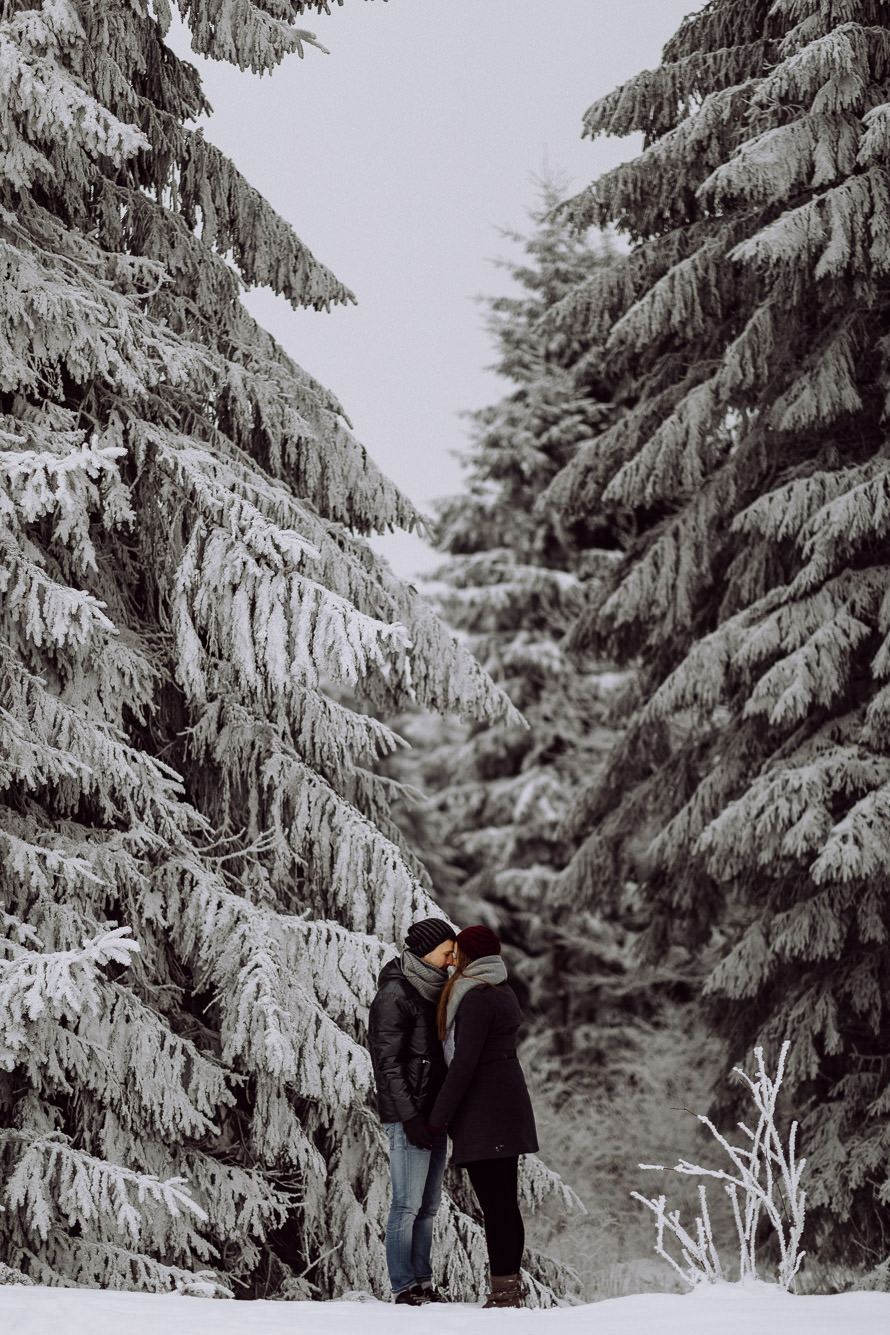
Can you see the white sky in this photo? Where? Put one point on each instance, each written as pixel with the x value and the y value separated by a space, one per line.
pixel 396 158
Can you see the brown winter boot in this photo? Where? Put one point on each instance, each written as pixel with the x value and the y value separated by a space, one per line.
pixel 506 1291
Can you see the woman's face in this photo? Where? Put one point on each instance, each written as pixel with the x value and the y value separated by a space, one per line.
pixel 442 956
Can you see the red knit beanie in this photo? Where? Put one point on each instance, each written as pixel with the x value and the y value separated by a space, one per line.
pixel 474 942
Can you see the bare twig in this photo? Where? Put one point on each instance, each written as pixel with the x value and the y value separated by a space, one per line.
pixel 766 1182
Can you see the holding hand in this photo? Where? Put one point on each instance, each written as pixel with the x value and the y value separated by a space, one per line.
pixel 418 1133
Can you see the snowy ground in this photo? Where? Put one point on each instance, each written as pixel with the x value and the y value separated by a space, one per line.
pixel 721 1310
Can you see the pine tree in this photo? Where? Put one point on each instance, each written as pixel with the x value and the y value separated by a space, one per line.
pixel 746 479
pixel 200 875
pixel 497 798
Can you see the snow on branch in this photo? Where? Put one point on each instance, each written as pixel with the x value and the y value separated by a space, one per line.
pixel 236 219
pixel 91 330
pixel 65 1023
pixel 272 623
pixel 785 813
pixel 44 104
pixel 105 1265
pixel 680 454
pixel 856 517
pixel 245 32
pixel 70 480
pixel 642 194
pixel 813 674
pixel 63 982
pixel 830 74
pixel 46 740
pixel 355 873
pixel 832 234
pixel 825 389
pixel 656 100
pixel 788 511
pixel 764 1182
pixel 270 1021
pixel 49 612
pixel 51 1175
pixel 538 1183
pixel 773 166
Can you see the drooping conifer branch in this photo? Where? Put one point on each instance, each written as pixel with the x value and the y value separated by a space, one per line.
pixel 194 639
pixel 744 479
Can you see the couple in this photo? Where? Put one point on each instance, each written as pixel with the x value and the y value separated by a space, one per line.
pixel 444 1056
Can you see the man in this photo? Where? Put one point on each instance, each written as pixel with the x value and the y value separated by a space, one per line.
pixel 409 1069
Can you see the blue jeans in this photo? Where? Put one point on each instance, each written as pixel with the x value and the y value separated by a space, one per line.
pixel 416 1193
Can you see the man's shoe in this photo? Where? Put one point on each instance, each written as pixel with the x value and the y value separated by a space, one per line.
pixel 431 1295
pixel 411 1297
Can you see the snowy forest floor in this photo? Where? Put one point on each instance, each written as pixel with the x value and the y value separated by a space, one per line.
pixel 727 1308
pixel 601 1113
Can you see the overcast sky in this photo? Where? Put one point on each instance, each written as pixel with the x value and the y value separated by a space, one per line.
pixel 396 158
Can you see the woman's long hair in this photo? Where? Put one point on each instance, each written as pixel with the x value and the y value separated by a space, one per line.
pixel 461 960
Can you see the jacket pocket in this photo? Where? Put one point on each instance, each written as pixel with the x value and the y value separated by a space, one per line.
pixel 419 1077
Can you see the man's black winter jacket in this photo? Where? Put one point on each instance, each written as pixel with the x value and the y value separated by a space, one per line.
pixel 406 1054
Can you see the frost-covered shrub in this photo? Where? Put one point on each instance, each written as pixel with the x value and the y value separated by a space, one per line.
pixel 763 1183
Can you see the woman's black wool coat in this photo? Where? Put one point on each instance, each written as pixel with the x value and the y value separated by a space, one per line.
pixel 405 1051
pixel 484 1101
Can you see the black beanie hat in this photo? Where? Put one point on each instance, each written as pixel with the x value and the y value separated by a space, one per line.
pixel 422 937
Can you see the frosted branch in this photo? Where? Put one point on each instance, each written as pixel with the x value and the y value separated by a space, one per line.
pixel 766 1182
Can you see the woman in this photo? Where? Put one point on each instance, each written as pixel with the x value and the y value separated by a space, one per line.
pixel 484 1102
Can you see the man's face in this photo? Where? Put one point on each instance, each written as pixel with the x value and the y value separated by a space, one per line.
pixel 442 956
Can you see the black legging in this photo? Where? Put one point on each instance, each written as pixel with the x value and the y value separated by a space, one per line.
pixel 495 1184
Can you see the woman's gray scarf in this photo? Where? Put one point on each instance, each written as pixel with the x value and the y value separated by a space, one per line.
pixel 428 980
pixel 487 969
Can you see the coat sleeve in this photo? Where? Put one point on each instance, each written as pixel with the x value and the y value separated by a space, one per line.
pixel 389 1021
pixel 471 1031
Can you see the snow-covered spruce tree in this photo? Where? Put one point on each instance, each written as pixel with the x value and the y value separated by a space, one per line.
pixel 748 478
pixel 199 873
pixel 497 797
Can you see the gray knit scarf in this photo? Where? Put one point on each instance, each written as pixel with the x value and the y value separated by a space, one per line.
pixel 428 980
pixel 487 969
